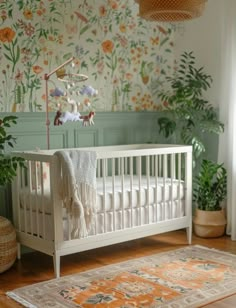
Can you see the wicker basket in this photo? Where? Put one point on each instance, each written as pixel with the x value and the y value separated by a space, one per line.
pixel 8 246
pixel 170 10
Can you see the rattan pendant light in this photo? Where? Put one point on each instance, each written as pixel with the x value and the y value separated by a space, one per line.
pixel 170 10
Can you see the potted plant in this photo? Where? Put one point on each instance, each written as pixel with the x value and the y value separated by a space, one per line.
pixel 209 192
pixel 8 166
pixel 187 115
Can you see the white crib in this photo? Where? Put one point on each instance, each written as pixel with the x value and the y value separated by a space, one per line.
pixel 142 190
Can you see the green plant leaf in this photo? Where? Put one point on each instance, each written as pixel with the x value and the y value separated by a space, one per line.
pixel 210 186
pixel 166 126
pixel 8 163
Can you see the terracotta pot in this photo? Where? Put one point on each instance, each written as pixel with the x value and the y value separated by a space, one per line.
pixel 209 224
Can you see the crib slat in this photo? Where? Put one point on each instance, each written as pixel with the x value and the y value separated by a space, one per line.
pixel 156 187
pixel 179 185
pixel 35 196
pixel 31 197
pixel 104 164
pixel 39 169
pixel 164 185
pixel 113 164
pixel 122 192
pixel 147 207
pixel 188 184
pixel 131 171
pixel 42 205
pixel 172 186
pixel 139 170
pixel 26 190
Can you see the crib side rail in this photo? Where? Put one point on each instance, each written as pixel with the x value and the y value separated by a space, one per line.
pixel 116 152
pixel 34 199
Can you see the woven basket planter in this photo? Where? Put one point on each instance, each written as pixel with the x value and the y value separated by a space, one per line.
pixel 8 246
pixel 170 10
pixel 209 224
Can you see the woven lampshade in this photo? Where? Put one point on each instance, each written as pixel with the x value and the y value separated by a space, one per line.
pixel 170 10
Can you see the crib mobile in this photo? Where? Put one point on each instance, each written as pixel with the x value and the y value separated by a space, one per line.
pixel 74 115
pixel 71 89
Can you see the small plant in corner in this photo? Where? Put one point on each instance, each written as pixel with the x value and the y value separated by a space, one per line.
pixel 210 186
pixel 187 115
pixel 210 189
pixel 8 163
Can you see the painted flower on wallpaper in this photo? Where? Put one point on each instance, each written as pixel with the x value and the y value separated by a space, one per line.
pixel 102 11
pixel 27 27
pixel 28 14
pixel 107 46
pixel 12 50
pixel 7 35
pixel 37 69
pixel 109 51
pixel 113 4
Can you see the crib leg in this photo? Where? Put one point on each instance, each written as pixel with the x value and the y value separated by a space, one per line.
pixel 56 264
pixel 18 251
pixel 189 234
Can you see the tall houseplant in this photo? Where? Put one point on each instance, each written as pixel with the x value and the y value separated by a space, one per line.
pixel 187 115
pixel 210 190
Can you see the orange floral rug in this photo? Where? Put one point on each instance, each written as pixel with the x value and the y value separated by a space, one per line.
pixel 188 277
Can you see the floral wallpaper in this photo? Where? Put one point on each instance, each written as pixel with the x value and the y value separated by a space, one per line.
pixel 124 56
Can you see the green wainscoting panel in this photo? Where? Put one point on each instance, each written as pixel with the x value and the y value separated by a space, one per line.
pixel 116 135
pixel 110 128
pixel 85 138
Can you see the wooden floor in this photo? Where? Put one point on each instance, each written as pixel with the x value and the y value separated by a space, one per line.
pixel 36 267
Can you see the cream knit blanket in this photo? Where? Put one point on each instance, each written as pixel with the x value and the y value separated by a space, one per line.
pixel 78 188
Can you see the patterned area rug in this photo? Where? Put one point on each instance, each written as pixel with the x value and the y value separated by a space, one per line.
pixel 186 277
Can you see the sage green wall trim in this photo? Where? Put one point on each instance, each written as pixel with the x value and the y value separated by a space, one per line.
pixel 110 128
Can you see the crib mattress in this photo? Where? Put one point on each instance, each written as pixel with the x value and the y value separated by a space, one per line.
pixel 42 225
pixel 124 196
